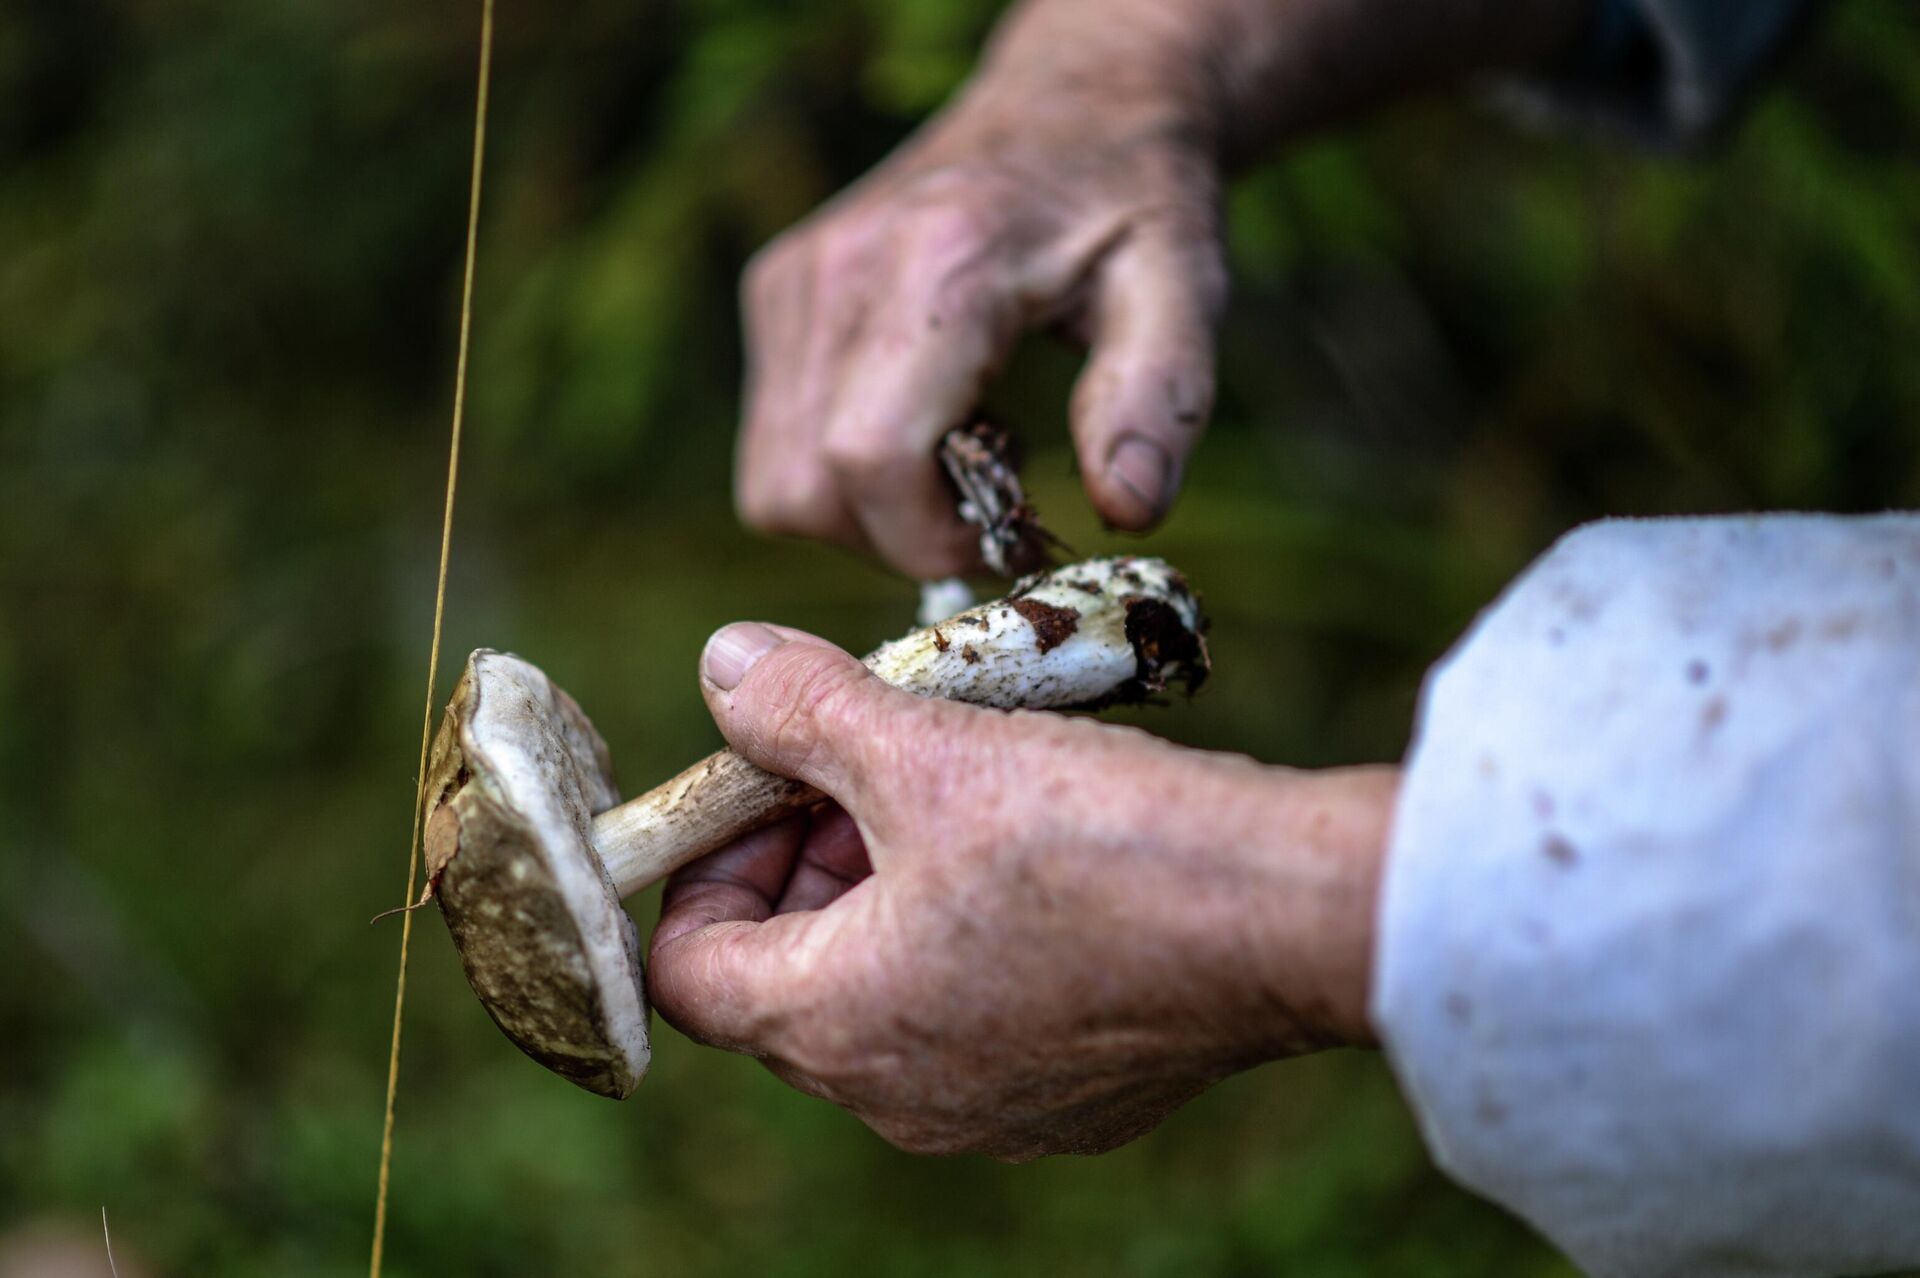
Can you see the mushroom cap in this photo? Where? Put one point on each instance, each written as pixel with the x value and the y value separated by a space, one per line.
pixel 516 776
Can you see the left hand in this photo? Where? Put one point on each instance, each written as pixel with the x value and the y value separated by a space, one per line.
pixel 1015 934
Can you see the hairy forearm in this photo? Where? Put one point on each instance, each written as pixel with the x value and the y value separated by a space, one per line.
pixel 1246 74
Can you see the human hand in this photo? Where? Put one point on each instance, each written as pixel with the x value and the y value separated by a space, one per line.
pixel 1074 185
pixel 1015 934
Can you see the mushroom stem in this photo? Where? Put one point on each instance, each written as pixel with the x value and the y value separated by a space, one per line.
pixel 703 809
pixel 1080 637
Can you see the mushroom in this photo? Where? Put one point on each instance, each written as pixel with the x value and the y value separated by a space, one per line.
pixel 530 852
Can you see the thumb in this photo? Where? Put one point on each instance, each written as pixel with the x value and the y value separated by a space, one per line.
pixel 798 706
pixel 1144 398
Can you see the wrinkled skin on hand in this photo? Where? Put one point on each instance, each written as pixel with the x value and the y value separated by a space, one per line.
pixel 1047 195
pixel 1073 184
pixel 1013 934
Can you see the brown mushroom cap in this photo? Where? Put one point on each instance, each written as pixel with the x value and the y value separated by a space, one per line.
pixel 516 776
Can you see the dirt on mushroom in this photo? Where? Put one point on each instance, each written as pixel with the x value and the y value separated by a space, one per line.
pixel 1052 625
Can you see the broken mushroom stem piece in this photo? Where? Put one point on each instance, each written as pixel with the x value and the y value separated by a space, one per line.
pixel 529 850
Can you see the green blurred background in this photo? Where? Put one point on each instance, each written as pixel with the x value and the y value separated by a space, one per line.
pixel 229 238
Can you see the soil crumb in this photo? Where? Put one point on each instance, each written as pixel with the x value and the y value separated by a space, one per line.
pixel 1052 625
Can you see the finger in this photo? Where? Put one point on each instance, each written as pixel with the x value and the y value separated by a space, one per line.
pixel 798 706
pixel 949 317
pixel 801 1081
pixel 740 882
pixel 832 859
pixel 1144 397
pixel 728 982
pixel 802 303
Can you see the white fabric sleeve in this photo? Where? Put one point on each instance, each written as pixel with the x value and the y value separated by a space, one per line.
pixel 1649 962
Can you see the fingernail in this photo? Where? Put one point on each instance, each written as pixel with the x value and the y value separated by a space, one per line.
pixel 734 650
pixel 1143 468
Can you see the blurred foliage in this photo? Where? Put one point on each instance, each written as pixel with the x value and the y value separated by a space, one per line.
pixel 229 241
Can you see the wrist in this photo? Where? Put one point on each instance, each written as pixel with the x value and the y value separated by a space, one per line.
pixel 1321 855
pixel 1125 67
pixel 1237 76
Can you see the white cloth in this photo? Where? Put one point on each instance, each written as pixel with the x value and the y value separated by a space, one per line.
pixel 1649 964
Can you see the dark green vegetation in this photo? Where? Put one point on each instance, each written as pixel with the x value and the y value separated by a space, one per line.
pixel 228 263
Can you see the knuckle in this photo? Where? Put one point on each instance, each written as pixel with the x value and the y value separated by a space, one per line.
pixel 814 701
pixel 966 295
pixel 764 510
pixel 953 243
pixel 840 1044
pixel 770 508
pixel 820 1058
pixel 687 980
pixel 954 224
pixel 843 257
pixel 867 459
pixel 666 986
pixel 1192 238
pixel 790 499
pixel 768 271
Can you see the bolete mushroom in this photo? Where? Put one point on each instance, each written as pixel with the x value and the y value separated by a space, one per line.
pixel 529 851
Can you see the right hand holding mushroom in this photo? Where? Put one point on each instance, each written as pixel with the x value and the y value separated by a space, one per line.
pixel 1012 933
